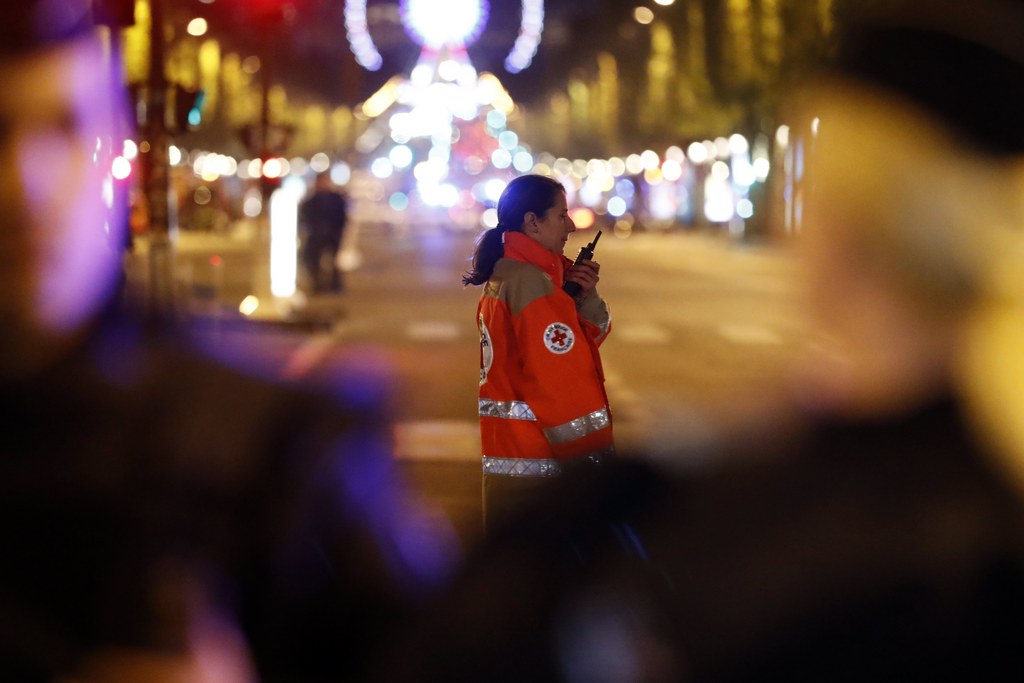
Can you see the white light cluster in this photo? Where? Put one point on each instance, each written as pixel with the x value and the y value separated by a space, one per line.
pixel 284 243
pixel 526 44
pixel 358 34
pixel 726 167
pixel 437 23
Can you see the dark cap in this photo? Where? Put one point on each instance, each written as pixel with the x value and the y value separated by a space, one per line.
pixel 962 61
pixel 28 25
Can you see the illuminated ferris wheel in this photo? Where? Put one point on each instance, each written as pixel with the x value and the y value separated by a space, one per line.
pixel 445 24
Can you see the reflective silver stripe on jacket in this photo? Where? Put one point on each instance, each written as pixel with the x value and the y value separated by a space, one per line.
pixel 506 410
pixel 604 328
pixel 534 467
pixel 578 428
pixel 522 467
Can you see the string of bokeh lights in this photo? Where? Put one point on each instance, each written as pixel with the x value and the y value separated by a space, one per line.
pixel 444 89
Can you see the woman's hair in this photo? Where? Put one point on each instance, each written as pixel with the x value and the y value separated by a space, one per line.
pixel 525 194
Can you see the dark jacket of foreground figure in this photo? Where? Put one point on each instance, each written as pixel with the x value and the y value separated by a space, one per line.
pixel 137 476
pixel 874 551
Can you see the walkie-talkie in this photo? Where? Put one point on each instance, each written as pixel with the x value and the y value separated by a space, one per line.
pixel 586 253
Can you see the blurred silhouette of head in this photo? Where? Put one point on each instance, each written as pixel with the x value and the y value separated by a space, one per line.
pixel 963 63
pixel 61 113
pixel 913 180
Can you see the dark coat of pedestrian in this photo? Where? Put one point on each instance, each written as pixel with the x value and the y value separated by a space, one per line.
pixel 166 514
pixel 323 217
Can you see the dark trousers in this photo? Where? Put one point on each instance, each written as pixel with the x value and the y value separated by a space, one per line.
pixel 320 261
pixel 505 497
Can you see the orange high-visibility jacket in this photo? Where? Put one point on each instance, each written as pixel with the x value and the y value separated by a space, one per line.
pixel 542 397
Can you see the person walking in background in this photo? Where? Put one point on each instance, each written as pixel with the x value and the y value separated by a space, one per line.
pixel 322 220
pixel 873 529
pixel 543 408
pixel 164 516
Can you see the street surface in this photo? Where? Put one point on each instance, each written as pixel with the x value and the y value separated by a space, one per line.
pixel 702 325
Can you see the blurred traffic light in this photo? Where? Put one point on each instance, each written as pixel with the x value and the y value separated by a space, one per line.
pixel 271 175
pixel 188 108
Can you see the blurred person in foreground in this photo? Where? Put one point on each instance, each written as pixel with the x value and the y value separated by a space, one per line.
pixel 542 404
pixel 163 517
pixel 323 216
pixel 875 531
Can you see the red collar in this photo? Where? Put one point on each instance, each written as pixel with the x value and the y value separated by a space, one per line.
pixel 523 248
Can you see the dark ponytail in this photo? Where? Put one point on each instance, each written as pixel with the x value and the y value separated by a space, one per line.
pixel 526 194
pixel 489 248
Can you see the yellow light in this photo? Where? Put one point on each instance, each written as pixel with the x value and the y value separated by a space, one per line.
pixel 320 162
pixel 251 64
pixel 197 27
pixel 671 170
pixel 380 101
pixel 650 160
pixel 782 135
pixel 623 227
pixel 273 168
pixel 653 176
pixel 249 305
pixel 643 15
pixel 489 218
pixel 582 217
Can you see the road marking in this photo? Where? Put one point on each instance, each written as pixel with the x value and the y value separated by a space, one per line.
pixel 438 440
pixel 642 333
pixel 740 333
pixel 432 330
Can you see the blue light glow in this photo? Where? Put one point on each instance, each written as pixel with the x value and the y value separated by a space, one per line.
pixel 501 158
pixel 508 140
pixel 399 201
pixel 496 119
pixel 529 37
pixel 359 36
pixel 522 161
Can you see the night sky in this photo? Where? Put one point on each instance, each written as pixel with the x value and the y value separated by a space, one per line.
pixel 312 57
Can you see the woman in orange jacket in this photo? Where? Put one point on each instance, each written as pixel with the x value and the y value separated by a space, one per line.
pixel 543 407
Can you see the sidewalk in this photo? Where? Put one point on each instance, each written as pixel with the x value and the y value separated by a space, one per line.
pixel 215 272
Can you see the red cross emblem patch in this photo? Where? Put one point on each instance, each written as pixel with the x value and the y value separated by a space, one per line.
pixel 558 337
